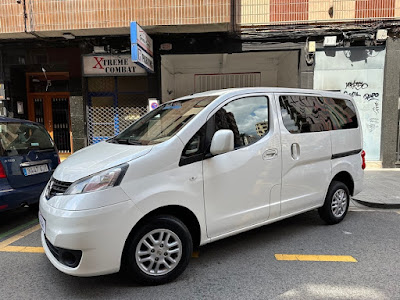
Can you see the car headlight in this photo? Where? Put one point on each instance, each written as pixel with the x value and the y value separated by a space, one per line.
pixel 99 181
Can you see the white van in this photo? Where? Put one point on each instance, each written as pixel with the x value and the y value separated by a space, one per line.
pixel 196 170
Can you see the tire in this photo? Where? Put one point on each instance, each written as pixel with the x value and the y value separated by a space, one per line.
pixel 336 203
pixel 148 255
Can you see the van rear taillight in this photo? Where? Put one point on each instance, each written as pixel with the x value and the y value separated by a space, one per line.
pixel 2 171
pixel 363 159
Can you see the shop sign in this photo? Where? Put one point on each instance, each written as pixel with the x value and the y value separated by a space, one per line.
pixel 140 57
pixel 110 65
pixel 140 37
pixel 141 47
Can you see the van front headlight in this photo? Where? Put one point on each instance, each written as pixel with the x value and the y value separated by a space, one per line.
pixel 98 181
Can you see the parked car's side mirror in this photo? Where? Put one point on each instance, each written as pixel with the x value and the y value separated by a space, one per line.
pixel 222 142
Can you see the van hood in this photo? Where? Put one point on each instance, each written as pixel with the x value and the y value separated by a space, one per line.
pixel 97 158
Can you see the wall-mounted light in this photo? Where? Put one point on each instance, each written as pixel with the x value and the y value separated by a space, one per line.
pixel 68 36
pixel 381 35
pixel 329 41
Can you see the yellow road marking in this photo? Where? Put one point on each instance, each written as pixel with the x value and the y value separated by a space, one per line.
pixel 4 245
pixel 195 254
pixel 22 249
pixel 302 257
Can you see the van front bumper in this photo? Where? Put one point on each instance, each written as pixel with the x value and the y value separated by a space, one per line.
pixel 97 235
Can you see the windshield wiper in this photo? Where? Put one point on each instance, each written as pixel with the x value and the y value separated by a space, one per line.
pixel 126 141
pixel 134 142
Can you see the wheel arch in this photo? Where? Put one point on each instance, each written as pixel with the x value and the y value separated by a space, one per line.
pixel 182 213
pixel 347 179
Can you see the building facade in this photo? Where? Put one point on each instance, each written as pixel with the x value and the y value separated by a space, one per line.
pixel 67 64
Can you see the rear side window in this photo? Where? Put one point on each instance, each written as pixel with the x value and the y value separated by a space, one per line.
pixel 342 113
pixel 246 117
pixel 20 138
pixel 302 114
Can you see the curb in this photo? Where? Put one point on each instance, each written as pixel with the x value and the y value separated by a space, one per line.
pixel 378 205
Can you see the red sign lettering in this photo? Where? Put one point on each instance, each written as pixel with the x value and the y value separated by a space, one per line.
pixel 98 62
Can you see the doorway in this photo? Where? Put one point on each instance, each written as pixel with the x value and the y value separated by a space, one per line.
pixel 48 104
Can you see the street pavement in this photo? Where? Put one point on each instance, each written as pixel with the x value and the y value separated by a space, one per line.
pixel 245 266
pixel 381 189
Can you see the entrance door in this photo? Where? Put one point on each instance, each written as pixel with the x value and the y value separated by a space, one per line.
pixel 48 104
pixel 240 185
pixel 52 110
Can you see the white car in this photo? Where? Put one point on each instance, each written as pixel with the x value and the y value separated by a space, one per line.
pixel 196 170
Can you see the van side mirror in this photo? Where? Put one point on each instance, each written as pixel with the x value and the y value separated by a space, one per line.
pixel 222 142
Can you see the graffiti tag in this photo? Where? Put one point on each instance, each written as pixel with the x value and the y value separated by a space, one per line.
pixel 357 85
pixel 352 94
pixel 376 108
pixel 371 96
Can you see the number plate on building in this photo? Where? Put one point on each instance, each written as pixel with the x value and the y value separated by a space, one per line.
pixel 35 170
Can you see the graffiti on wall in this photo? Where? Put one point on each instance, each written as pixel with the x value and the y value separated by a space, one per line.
pixel 363 81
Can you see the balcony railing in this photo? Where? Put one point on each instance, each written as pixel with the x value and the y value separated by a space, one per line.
pixel 69 15
pixel 64 15
pixel 279 12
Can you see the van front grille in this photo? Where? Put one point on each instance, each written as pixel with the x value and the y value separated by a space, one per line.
pixel 57 187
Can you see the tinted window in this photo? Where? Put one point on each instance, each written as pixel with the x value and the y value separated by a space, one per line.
pixel 304 114
pixel 246 117
pixel 341 113
pixel 20 138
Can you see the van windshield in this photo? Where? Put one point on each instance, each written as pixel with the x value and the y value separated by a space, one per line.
pixel 20 138
pixel 163 122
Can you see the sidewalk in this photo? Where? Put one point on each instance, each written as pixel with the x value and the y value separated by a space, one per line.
pixel 381 189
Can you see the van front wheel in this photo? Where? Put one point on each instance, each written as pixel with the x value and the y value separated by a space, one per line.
pixel 159 251
pixel 336 203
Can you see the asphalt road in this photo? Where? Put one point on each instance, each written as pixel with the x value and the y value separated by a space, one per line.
pixel 240 267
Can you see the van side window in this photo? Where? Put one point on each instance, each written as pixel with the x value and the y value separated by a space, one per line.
pixel 246 117
pixel 313 114
pixel 303 114
pixel 341 113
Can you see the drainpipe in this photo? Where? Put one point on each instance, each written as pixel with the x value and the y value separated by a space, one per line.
pixel 233 16
pixel 25 21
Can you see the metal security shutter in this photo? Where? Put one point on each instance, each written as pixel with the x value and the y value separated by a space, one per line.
pixel 206 82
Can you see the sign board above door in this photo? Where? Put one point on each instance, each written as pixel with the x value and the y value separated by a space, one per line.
pixel 141 47
pixel 110 65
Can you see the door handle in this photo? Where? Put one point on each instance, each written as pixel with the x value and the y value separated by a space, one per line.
pixel 295 149
pixel 270 153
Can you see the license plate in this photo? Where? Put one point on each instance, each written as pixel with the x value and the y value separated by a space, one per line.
pixel 35 170
pixel 42 222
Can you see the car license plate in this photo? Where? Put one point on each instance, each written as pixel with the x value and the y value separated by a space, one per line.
pixel 42 223
pixel 35 170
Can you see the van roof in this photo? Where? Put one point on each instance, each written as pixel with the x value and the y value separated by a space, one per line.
pixel 238 91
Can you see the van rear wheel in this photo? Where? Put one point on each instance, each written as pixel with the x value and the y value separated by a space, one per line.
pixel 336 203
pixel 159 251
